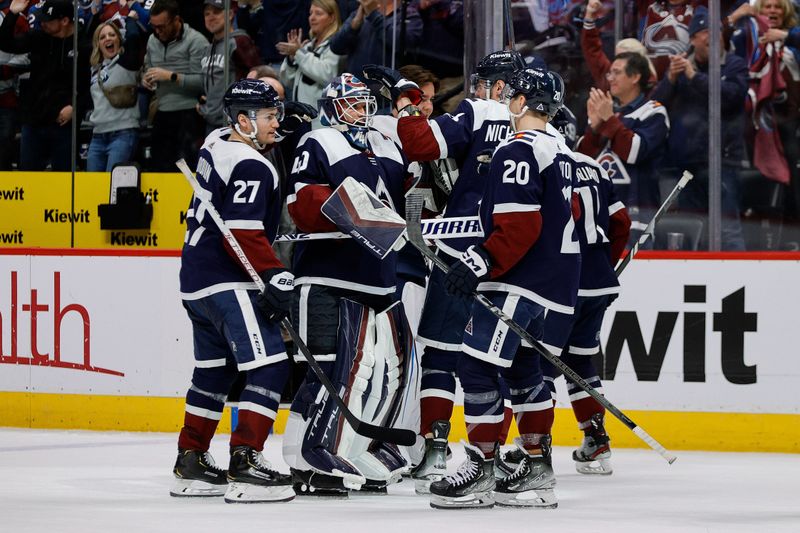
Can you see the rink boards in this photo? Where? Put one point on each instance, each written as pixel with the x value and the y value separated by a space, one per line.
pixel 699 351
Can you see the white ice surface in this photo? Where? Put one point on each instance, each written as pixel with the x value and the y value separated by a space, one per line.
pixel 82 481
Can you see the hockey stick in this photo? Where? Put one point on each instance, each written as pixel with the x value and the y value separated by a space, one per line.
pixel 651 226
pixel 432 229
pixel 413 213
pixel 402 437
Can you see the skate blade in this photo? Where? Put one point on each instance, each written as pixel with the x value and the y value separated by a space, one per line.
pixel 249 493
pixel 539 499
pixel 193 488
pixel 601 467
pixel 480 500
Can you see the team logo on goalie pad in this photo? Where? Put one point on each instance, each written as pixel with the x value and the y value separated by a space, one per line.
pixel 358 212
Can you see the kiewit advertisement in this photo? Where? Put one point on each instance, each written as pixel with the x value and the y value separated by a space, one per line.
pixel 38 211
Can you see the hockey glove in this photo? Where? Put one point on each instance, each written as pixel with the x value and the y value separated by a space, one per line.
pixel 484 158
pixel 392 84
pixel 295 115
pixel 276 300
pixel 471 268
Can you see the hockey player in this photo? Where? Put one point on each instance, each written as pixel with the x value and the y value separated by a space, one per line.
pixel 235 328
pixel 344 304
pixel 603 229
pixel 466 138
pixel 529 262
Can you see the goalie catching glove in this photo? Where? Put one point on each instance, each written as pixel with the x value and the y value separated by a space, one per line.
pixel 276 300
pixel 471 268
pixel 392 84
pixel 295 115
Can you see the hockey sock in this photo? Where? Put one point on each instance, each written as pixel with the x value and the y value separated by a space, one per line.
pixel 205 401
pixel 583 405
pixel 258 404
pixel 437 387
pixel 483 403
pixel 530 397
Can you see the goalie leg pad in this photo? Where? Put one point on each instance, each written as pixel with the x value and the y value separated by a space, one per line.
pixel 391 354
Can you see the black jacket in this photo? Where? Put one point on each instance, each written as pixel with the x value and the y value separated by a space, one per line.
pixel 49 88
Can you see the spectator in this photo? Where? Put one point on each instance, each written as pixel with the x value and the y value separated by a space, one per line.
pixel 366 37
pixel 46 108
pixel 428 83
pixel 628 139
pixel 684 92
pixel 172 69
pixel 115 117
pixel 592 46
pixel 310 65
pixel 243 57
pixel 270 76
pixel 10 67
pixel 664 31
pixel 761 38
pixel 269 21
pixel 441 46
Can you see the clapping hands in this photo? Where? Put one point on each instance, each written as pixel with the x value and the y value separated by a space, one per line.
pixel 294 41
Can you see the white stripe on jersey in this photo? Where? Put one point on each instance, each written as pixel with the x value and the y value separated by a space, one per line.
pixel 341 284
pixel 257 343
pixel 210 363
pixel 636 143
pixel 488 286
pixel 440 140
pixel 615 207
pixel 245 224
pixel 516 208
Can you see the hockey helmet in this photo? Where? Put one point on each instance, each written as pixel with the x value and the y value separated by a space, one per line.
pixel 495 66
pixel 543 90
pixel 248 96
pixel 348 105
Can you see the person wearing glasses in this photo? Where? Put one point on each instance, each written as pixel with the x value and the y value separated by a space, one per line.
pixel 172 68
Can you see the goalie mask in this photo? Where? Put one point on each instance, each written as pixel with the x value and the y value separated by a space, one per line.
pixel 348 106
pixel 248 97
pixel 543 91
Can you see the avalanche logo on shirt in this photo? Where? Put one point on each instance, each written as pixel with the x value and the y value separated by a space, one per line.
pixel 614 167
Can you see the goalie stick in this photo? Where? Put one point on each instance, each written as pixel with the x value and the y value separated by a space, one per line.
pixel 652 224
pixel 402 437
pixel 413 214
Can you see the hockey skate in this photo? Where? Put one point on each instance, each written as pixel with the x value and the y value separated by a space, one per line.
pixel 532 484
pixel 382 466
pixel 470 487
pixel 433 465
pixel 506 463
pixel 252 479
pixel 323 473
pixel 198 475
pixel 594 454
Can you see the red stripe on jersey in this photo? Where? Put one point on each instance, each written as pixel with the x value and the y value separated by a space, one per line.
pixel 619 229
pixel 416 135
pixel 514 234
pixel 306 210
pixel 576 207
pixel 256 247
pixel 620 136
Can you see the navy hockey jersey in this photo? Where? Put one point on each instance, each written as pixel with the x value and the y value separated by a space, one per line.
pixel 243 187
pixel 533 172
pixel 475 128
pixel 323 160
pixel 599 202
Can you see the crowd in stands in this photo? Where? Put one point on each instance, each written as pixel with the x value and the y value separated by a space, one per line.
pixel 151 75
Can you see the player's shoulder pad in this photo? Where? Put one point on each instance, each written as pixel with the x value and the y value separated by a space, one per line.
pixel 331 142
pixel 545 146
pixel 227 156
pixel 384 146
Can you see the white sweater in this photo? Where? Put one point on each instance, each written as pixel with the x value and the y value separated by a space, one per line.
pixel 311 70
